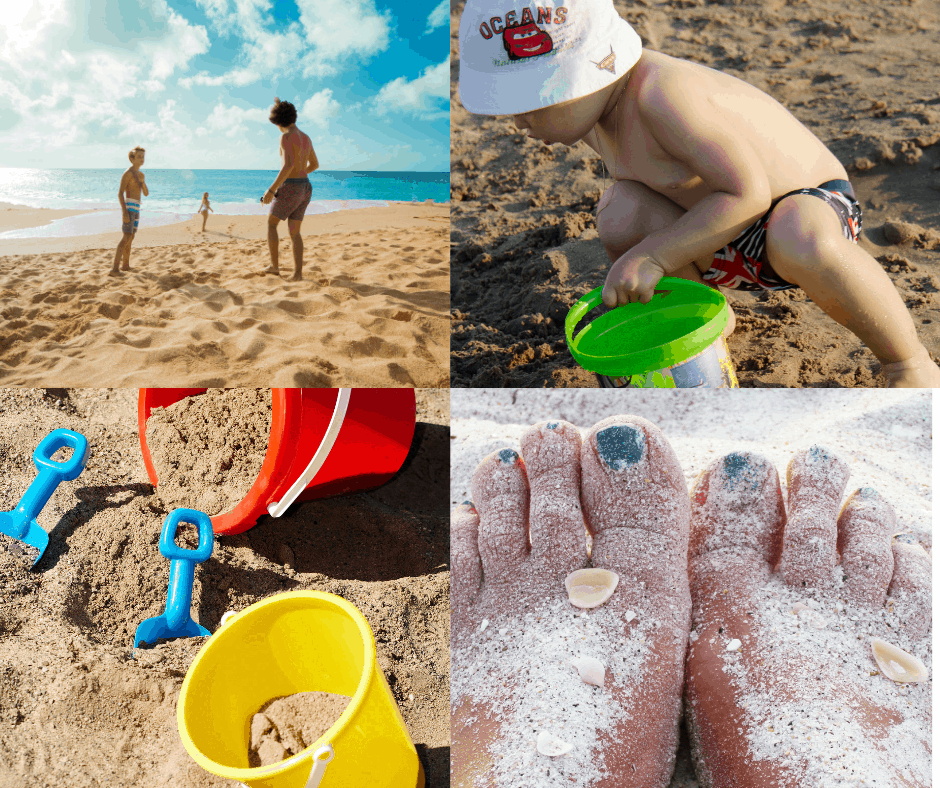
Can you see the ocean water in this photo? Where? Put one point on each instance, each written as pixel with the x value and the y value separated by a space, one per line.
pixel 175 195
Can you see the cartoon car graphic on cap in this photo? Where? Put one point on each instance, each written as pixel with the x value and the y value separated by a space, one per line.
pixel 527 40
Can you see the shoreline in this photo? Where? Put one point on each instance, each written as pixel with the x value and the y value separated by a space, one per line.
pixel 199 309
pixel 219 229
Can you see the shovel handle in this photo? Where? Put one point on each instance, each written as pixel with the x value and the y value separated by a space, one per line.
pixel 169 548
pixel 51 475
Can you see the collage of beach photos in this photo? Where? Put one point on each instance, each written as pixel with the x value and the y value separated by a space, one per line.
pixel 473 393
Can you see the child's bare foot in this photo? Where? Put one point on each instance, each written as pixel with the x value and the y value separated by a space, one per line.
pixel 515 634
pixel 297 278
pixel 272 270
pixel 781 686
pixel 917 372
pixel 125 267
pixel 114 272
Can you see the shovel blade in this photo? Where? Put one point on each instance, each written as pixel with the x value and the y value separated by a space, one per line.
pixel 150 630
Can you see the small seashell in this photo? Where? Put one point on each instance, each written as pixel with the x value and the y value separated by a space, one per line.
pixel 630 616
pixel 589 588
pixel 590 670
pixel 552 746
pixel 484 624
pixel 896 664
pixel 734 645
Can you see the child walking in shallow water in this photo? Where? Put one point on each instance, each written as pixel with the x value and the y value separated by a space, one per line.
pixel 132 185
pixel 714 180
pixel 204 210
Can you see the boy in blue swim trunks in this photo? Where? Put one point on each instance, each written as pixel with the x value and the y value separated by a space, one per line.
pixel 129 192
pixel 701 161
pixel 291 189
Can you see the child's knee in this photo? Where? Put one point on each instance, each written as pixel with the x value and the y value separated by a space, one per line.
pixel 618 216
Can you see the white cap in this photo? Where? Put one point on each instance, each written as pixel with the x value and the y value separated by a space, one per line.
pixel 517 59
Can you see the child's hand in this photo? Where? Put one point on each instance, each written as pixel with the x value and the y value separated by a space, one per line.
pixel 632 278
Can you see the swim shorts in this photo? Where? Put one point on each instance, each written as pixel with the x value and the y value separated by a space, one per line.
pixel 292 199
pixel 739 265
pixel 133 213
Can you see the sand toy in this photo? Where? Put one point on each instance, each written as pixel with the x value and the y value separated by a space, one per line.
pixel 302 641
pixel 323 442
pixel 21 523
pixel 674 341
pixel 176 621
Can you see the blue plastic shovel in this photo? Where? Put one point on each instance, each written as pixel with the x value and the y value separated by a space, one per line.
pixel 176 621
pixel 20 524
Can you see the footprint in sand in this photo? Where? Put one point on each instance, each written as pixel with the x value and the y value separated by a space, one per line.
pixel 404 317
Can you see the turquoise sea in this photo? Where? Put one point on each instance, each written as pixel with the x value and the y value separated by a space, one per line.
pixel 175 195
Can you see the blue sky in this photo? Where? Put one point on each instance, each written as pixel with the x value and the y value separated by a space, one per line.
pixel 192 81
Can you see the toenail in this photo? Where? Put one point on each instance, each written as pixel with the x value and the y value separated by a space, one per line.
pixel 868 492
pixel 469 505
pixel 620 446
pixel 552 425
pixel 907 539
pixel 508 456
pixel 819 454
pixel 739 470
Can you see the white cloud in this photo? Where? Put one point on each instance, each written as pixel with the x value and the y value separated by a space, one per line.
pixel 263 51
pixel 230 121
pixel 337 31
pixel 181 44
pixel 422 97
pixel 320 107
pixel 439 16
pixel 27 25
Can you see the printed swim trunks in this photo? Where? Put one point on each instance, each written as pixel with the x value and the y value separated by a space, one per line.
pixel 739 265
pixel 292 199
pixel 133 213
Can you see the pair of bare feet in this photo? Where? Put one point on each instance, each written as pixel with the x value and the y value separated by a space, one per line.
pixel 758 617
pixel 119 271
pixel 297 277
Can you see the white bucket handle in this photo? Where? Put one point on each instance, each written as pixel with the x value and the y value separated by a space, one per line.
pixel 319 765
pixel 277 508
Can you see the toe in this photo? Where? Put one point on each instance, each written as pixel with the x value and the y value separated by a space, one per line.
pixel 636 504
pixel 466 572
pixel 738 519
pixel 909 592
pixel 501 494
pixel 552 453
pixel 864 542
pixel 816 480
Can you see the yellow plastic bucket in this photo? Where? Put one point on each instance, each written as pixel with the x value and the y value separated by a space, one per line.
pixel 302 641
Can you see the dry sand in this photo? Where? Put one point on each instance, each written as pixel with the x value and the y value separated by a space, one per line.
pixel 196 310
pixel 76 709
pixel 864 78
pixel 884 436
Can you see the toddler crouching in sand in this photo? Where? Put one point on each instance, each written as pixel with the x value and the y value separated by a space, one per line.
pixel 701 161
pixel 132 183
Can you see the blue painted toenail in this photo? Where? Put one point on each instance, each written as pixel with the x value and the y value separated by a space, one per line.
pixel 552 425
pixel 868 492
pixel 819 454
pixel 508 456
pixel 620 446
pixel 906 538
pixel 739 471
pixel 469 505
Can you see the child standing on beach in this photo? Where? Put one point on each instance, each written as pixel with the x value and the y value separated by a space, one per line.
pixel 714 180
pixel 204 210
pixel 132 184
pixel 291 190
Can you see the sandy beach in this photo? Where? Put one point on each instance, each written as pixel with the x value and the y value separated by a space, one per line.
pixel 524 242
pixel 80 707
pixel 884 436
pixel 196 310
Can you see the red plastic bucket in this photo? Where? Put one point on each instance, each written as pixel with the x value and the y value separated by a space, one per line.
pixel 370 448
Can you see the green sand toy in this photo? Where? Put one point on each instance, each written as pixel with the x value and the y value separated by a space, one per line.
pixel 674 341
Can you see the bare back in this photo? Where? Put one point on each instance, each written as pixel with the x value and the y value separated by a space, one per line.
pixel 790 155
pixel 296 147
